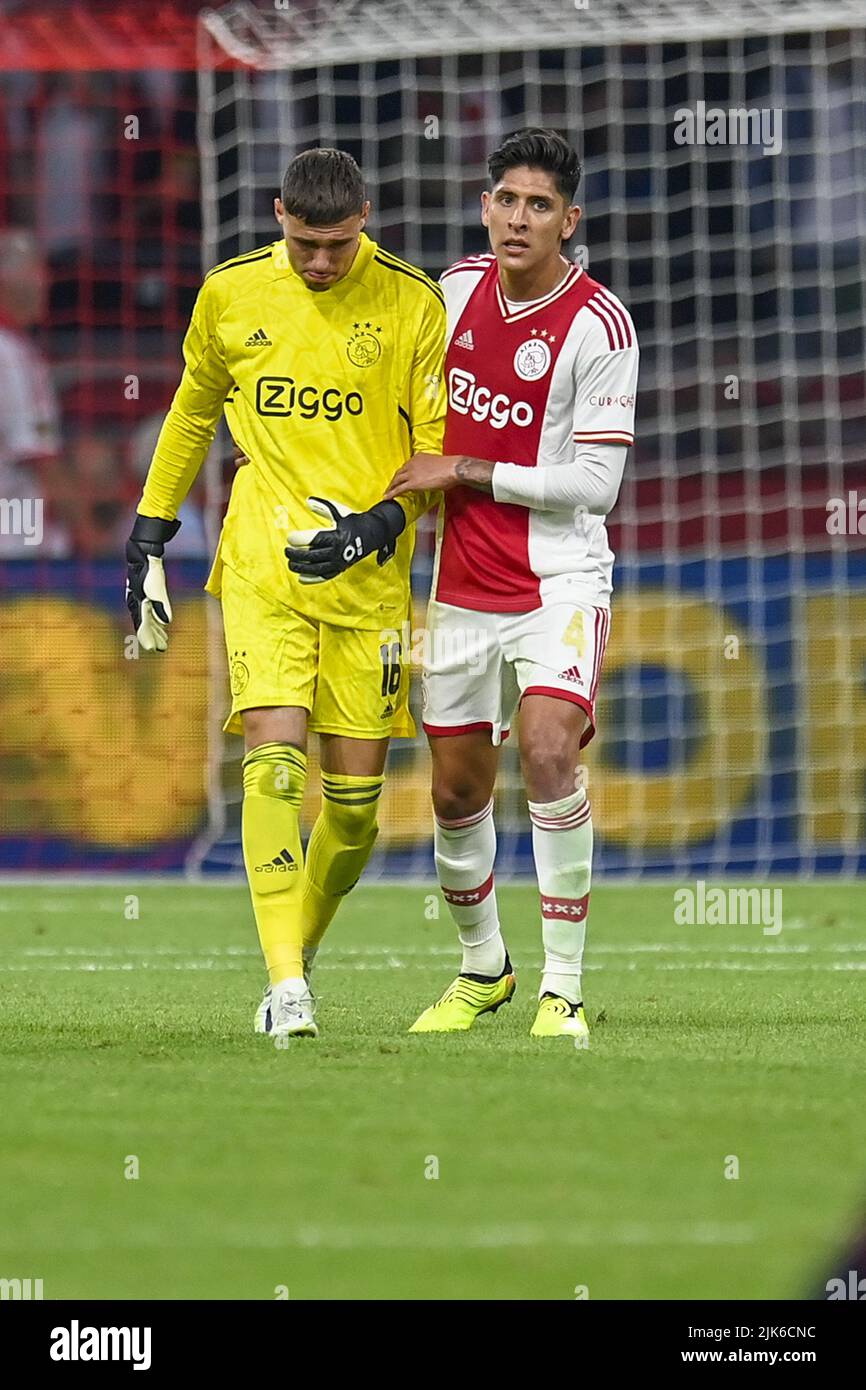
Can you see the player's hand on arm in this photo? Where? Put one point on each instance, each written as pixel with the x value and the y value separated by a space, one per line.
pixel 440 472
pixel 351 536
pixel 146 591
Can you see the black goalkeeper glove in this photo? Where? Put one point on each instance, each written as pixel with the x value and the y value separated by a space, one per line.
pixel 146 592
pixel 318 555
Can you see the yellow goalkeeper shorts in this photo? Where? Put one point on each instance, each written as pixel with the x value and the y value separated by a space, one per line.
pixel 352 682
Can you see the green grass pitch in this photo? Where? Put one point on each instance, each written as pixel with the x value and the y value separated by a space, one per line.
pixel 129 1042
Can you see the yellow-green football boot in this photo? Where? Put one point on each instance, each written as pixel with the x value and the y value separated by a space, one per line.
pixel 464 1000
pixel 557 1018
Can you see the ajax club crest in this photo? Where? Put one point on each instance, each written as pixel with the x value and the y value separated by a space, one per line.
pixel 239 673
pixel 364 347
pixel 532 359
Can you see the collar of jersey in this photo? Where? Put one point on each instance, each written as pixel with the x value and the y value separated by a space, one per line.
pixel 365 255
pixel 526 309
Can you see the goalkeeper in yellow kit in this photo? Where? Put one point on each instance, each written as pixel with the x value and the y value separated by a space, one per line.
pixel 326 353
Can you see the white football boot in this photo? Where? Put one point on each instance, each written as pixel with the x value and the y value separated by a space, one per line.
pixel 292 1011
pixel 287 1011
pixel 263 1022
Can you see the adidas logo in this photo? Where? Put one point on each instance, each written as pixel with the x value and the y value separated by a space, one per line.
pixel 559 1006
pixel 387 711
pixel 465 340
pixel 284 863
pixel 572 674
pixel 258 339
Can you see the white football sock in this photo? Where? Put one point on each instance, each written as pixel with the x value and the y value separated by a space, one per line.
pixel 562 846
pixel 464 851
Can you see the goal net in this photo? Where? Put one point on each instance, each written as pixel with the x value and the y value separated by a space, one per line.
pixel 724 200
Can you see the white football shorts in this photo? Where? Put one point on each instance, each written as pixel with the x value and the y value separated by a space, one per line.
pixel 479 666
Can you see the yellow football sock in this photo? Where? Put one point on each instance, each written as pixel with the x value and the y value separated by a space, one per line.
pixel 274 777
pixel 338 848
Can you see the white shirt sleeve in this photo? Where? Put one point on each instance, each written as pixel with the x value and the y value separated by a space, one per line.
pixel 604 381
pixel 604 393
pixel 591 482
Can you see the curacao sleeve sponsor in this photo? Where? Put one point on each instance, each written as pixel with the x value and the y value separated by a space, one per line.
pixel 605 375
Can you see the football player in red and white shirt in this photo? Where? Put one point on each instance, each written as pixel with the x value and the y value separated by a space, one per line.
pixel 541 368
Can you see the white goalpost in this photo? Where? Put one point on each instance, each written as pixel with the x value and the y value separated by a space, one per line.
pixel 724 196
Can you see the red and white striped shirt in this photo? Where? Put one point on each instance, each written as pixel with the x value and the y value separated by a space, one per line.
pixel 548 385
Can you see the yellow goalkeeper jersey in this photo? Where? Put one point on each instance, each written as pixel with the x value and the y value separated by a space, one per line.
pixel 327 393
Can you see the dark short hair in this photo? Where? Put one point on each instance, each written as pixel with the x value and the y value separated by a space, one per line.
pixel 322 187
pixel 538 149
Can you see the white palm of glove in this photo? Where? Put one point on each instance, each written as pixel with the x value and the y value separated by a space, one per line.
pixel 332 512
pixel 152 632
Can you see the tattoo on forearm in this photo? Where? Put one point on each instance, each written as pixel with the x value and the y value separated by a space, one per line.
pixel 476 473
